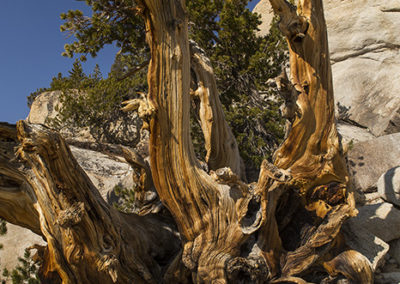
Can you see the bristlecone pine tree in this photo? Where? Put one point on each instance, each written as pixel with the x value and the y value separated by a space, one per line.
pixel 285 228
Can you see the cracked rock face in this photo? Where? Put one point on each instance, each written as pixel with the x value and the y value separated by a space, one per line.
pixel 365 54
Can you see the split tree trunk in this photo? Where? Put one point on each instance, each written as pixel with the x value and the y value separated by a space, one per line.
pixel 283 229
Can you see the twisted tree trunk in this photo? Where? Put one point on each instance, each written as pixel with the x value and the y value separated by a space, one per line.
pixel 87 239
pixel 283 229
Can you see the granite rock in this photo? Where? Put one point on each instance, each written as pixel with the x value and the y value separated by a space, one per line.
pixel 370 159
pixel 389 185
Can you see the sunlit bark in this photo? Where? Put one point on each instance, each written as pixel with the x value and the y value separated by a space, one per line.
pixel 221 146
pixel 87 239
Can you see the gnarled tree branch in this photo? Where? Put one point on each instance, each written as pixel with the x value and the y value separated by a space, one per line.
pixel 87 239
pixel 221 146
pixel 211 212
pixel 17 198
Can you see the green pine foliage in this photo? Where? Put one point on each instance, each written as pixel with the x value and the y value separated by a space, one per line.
pixel 225 29
pixel 112 21
pixel 126 199
pixel 94 102
pixel 26 272
pixel 3 229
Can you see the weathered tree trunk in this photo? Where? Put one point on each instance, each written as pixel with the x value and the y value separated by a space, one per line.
pixel 208 217
pixel 311 182
pixel 87 239
pixel 283 229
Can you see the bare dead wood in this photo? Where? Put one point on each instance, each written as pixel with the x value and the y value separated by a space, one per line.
pixel 310 173
pixel 220 143
pixel 86 238
pixel 17 198
pixel 214 213
pixel 312 152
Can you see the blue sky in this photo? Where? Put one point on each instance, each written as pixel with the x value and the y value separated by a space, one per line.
pixel 30 51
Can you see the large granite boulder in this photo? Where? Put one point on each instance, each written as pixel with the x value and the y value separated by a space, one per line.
pixel 363 241
pixel 368 160
pixel 264 9
pixel 371 231
pixel 381 219
pixel 45 108
pixel 389 186
pixel 353 134
pixel 122 128
pixel 364 51
pixel 105 171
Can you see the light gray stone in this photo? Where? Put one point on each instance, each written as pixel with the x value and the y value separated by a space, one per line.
pixel 366 243
pixel 264 8
pixel 368 160
pixel 364 50
pixel 380 219
pixel 389 186
pixel 353 133
pixel 388 278
pixel 118 130
pixel 103 170
pixel 46 107
pixel 15 242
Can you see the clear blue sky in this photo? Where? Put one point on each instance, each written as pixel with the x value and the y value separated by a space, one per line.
pixel 30 51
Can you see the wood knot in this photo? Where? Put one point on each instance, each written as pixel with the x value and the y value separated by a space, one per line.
pixel 253 219
pixel 274 172
pixel 225 176
pixel 246 270
pixel 333 193
pixel 110 265
pixel 71 216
